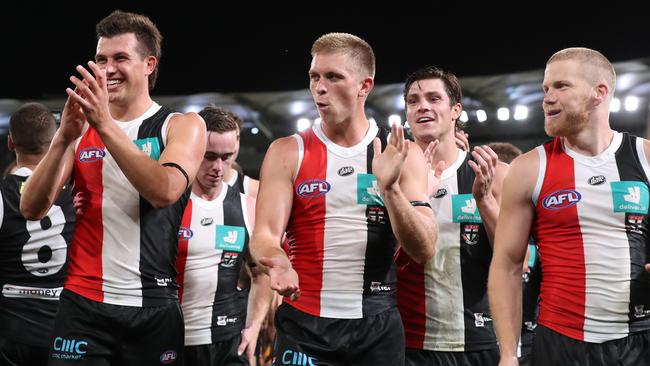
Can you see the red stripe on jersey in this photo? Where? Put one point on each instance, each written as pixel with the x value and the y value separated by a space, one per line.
pixel 306 227
pixel 183 242
pixel 411 299
pixel 85 254
pixel 561 248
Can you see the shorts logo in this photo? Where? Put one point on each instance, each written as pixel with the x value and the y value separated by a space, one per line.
pixel 480 320
pixel 91 154
pixel 630 196
pixel 185 233
pixel 345 171
pixel 168 357
pixel 561 199
pixel 379 287
pixel 313 188
pixel 291 357
pixel 597 180
pixel 440 193
pixel 69 348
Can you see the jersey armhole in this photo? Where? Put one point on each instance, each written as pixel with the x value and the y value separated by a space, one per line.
pixel 301 154
pixel 541 172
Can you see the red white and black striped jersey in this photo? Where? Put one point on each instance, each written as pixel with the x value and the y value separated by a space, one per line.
pixel 443 302
pixel 212 243
pixel 123 250
pixel 340 239
pixel 591 228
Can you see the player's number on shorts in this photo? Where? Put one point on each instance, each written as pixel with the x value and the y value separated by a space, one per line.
pixel 45 252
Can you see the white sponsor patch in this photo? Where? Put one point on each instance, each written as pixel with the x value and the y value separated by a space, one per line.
pixel 31 292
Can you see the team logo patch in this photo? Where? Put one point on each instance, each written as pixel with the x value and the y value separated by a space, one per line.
pixel 207 221
pixel 230 238
pixel 634 223
pixel 149 146
pixel 470 234
pixel 228 259
pixel 91 154
pixel 630 196
pixel 561 199
pixel 345 171
pixel 376 215
pixel 368 190
pixel 596 180
pixel 440 193
pixel 184 233
pixel 168 357
pixel 313 188
pixel 464 208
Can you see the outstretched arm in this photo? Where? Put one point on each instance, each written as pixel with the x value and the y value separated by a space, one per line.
pixel 401 173
pixel 511 242
pixel 274 202
pixel 185 143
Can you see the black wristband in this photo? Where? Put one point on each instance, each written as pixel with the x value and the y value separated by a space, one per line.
pixel 187 178
pixel 420 203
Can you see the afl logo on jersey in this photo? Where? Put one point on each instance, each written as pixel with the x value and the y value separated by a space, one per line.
pixel 91 154
pixel 596 180
pixel 168 357
pixel 345 171
pixel 313 188
pixel 561 199
pixel 185 233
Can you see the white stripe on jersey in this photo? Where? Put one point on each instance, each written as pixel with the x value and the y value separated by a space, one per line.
pixel 606 251
pixel 121 225
pixel 202 269
pixel 644 161
pixel 344 250
pixel 541 172
pixel 445 322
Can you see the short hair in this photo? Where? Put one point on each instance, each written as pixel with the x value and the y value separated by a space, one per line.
pixel 358 49
pixel 146 32
pixel 590 57
pixel 32 127
pixel 506 151
pixel 220 120
pixel 451 82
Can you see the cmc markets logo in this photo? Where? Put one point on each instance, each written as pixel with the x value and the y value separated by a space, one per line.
pixel 168 357
pixel 91 154
pixel 290 357
pixel 313 188
pixel 561 199
pixel 185 233
pixel 69 348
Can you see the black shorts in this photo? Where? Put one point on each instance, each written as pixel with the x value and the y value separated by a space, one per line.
pixel 525 347
pixel 215 354
pixel 16 353
pixel 552 348
pixel 87 332
pixel 417 357
pixel 304 339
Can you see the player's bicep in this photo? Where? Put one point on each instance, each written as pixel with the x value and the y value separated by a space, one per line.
pixel 185 143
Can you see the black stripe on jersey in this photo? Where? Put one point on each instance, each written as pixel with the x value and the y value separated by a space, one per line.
pixel 159 232
pixel 475 260
pixel 630 169
pixel 239 183
pixel 229 309
pixel 379 275
pixel 28 320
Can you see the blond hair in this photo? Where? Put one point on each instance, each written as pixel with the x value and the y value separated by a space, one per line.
pixel 592 58
pixel 358 49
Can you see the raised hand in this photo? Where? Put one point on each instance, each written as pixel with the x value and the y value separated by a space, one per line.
pixel 484 167
pixel 462 140
pixel 433 181
pixel 284 279
pixel 387 165
pixel 73 120
pixel 91 94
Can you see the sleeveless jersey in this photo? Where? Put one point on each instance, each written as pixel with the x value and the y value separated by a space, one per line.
pixel 124 250
pixel 213 240
pixel 32 263
pixel 591 228
pixel 339 237
pixel 443 302
pixel 239 181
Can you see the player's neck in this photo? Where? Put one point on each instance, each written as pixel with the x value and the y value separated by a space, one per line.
pixel 132 109
pixel 29 161
pixel 590 141
pixel 347 133
pixel 207 193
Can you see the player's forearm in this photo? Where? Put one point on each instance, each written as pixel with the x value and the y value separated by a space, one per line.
pixel 159 185
pixel 259 300
pixel 43 186
pixel 415 230
pixel 488 207
pixel 504 293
